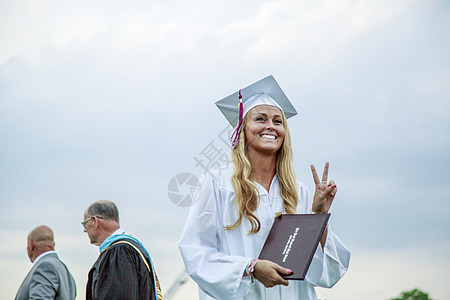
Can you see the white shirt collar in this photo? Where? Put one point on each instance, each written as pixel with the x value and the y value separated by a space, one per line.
pixel 119 231
pixel 42 255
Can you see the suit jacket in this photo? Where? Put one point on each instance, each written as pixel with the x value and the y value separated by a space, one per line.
pixel 49 278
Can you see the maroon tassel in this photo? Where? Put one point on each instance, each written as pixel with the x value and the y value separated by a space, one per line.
pixel 235 136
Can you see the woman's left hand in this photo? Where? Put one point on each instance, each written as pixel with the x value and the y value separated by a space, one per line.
pixel 325 191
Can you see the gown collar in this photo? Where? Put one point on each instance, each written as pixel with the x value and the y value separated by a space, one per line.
pixel 263 191
pixel 115 237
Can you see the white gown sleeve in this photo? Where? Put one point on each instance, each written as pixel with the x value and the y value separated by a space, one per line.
pixel 331 263
pixel 217 274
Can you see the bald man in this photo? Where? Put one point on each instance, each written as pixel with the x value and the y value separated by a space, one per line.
pixel 49 277
pixel 123 269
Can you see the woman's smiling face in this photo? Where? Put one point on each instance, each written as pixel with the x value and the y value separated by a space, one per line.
pixel 264 130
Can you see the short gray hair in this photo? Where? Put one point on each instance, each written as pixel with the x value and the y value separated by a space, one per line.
pixel 105 209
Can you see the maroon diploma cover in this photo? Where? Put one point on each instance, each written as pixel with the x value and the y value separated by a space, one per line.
pixel 293 240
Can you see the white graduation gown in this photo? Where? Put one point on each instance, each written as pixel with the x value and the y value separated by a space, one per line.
pixel 216 258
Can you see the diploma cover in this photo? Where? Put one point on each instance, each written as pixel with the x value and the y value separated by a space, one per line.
pixel 293 240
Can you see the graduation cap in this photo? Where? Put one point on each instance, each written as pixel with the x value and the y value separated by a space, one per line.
pixel 263 92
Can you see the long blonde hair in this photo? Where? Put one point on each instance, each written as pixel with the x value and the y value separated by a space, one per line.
pixel 247 196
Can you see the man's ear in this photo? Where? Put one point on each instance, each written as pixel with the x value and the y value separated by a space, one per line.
pixel 30 245
pixel 96 222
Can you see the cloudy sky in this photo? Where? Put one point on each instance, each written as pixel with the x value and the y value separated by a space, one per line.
pixel 112 99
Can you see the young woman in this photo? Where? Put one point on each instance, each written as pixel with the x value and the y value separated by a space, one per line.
pixel 228 225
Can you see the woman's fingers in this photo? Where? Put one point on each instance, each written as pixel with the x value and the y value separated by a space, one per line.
pixel 315 176
pixel 325 173
pixel 283 271
pixel 268 273
pixel 334 189
pixel 325 191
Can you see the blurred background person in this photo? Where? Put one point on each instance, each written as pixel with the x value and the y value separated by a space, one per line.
pixel 124 269
pixel 49 277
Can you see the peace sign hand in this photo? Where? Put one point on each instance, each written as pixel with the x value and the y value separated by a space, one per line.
pixel 325 191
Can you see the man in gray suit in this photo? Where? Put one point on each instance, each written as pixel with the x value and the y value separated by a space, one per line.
pixel 49 277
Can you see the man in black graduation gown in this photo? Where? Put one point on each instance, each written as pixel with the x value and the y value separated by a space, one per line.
pixel 124 269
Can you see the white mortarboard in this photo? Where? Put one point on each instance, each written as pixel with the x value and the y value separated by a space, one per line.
pixel 263 92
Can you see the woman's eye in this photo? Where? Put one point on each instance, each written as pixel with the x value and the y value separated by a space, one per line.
pixel 278 122
pixel 260 119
